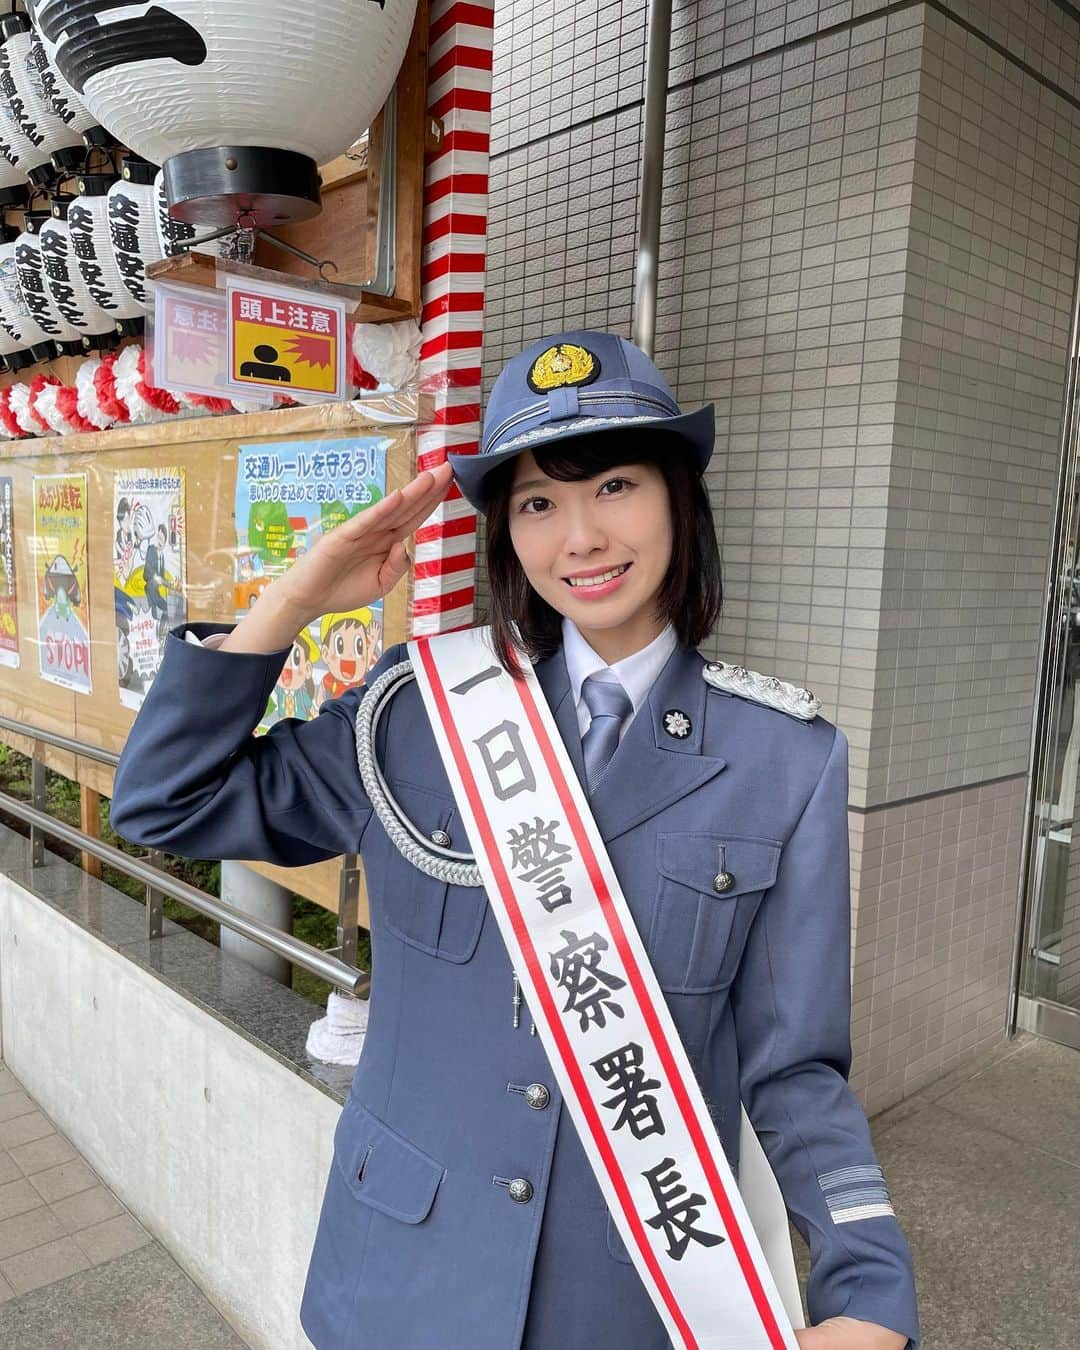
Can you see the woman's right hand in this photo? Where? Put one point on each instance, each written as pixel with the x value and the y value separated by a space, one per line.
pixel 364 557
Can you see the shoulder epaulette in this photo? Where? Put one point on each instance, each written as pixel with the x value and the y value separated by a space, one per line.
pixel 766 689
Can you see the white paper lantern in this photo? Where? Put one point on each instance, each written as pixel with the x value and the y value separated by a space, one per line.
pixel 240 100
pixel 13 355
pixel 15 315
pixel 23 106
pixel 65 282
pixel 62 99
pixel 91 242
pixel 133 226
pixel 173 234
pixel 35 292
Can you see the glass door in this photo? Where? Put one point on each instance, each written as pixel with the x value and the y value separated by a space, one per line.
pixel 1046 988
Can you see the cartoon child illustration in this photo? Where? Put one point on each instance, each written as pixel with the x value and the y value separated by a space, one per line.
pixel 295 689
pixel 348 644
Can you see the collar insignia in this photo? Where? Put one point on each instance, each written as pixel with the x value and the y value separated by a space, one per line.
pixel 677 724
pixel 766 689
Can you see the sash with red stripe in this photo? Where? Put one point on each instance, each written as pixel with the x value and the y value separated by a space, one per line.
pixel 613 1046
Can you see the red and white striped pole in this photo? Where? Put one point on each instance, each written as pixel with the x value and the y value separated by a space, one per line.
pixel 452 317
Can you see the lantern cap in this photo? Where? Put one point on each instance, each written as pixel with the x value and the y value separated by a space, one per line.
pixel 249 185
pixel 131 327
pixel 98 138
pixel 14 196
pixel 11 24
pixel 135 169
pixel 58 207
pixel 16 361
pixel 43 351
pixel 95 184
pixel 33 220
pixel 68 158
pixel 42 175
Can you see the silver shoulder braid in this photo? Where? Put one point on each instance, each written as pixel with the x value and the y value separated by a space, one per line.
pixel 458 869
pixel 767 689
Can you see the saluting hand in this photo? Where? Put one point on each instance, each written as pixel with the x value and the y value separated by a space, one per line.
pixel 364 557
pixel 849 1333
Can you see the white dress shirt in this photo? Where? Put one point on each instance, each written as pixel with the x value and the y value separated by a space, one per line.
pixel 635 673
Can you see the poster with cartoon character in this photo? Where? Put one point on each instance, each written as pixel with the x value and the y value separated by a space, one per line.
pixel 63 606
pixel 287 496
pixel 149 553
pixel 9 612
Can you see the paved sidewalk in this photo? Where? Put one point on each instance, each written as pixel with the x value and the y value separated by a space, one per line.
pixel 984 1170
pixel 77 1271
pixel 983 1166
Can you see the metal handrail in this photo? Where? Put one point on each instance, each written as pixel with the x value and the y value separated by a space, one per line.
pixel 318 963
pixel 60 741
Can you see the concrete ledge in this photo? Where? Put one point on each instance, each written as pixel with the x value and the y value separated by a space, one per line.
pixel 211 1133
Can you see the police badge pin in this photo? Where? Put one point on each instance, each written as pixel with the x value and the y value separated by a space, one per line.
pixel 677 724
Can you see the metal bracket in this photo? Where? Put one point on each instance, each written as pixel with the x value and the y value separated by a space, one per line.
pixel 39 802
pixel 348 925
pixel 155 899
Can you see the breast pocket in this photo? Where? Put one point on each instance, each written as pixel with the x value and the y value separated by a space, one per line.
pixel 427 913
pixel 704 881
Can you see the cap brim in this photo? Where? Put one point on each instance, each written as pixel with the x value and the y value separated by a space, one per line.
pixel 696 430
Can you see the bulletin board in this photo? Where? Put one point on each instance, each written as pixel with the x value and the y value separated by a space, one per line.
pixel 208 450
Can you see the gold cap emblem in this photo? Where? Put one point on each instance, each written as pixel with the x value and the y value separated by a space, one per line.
pixel 561 366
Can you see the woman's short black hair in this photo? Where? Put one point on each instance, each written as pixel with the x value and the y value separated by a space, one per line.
pixel 691 594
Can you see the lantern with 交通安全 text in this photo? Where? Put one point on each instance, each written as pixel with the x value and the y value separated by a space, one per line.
pixel 238 100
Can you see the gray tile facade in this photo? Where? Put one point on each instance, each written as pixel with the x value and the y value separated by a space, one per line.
pixel 868 253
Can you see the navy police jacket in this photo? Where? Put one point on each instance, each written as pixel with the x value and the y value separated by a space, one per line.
pixel 420 1245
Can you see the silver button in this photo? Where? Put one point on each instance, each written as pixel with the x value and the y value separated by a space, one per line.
pixel 520 1190
pixel 440 837
pixel 723 881
pixel 537 1096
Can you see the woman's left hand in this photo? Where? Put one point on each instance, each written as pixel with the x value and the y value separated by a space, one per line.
pixel 848 1333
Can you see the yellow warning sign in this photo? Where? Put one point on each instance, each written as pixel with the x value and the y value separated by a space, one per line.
pixel 286 344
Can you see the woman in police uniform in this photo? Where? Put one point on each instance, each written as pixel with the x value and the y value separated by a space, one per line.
pixel 461 1212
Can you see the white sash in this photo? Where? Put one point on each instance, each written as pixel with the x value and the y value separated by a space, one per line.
pixel 612 1044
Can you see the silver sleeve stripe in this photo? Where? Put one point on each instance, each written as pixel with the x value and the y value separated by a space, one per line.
pixel 862 1212
pixel 856 1193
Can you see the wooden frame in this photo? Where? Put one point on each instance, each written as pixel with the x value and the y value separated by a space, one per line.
pixel 208 450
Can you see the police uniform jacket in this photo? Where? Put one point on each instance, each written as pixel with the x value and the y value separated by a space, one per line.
pixel 422 1244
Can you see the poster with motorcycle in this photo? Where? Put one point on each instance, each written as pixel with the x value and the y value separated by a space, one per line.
pixel 9 612
pixel 289 494
pixel 149 552
pixel 63 604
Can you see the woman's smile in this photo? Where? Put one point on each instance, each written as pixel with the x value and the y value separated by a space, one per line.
pixel 596 549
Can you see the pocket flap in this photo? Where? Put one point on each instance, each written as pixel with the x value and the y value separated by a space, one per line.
pixel 694 860
pixel 382 1168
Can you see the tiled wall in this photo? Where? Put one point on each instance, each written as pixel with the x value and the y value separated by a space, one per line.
pixel 934 886
pixel 867 262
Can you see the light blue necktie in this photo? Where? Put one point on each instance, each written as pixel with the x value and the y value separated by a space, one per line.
pixel 609 703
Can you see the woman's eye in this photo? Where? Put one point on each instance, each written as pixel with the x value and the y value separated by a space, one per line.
pixel 624 482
